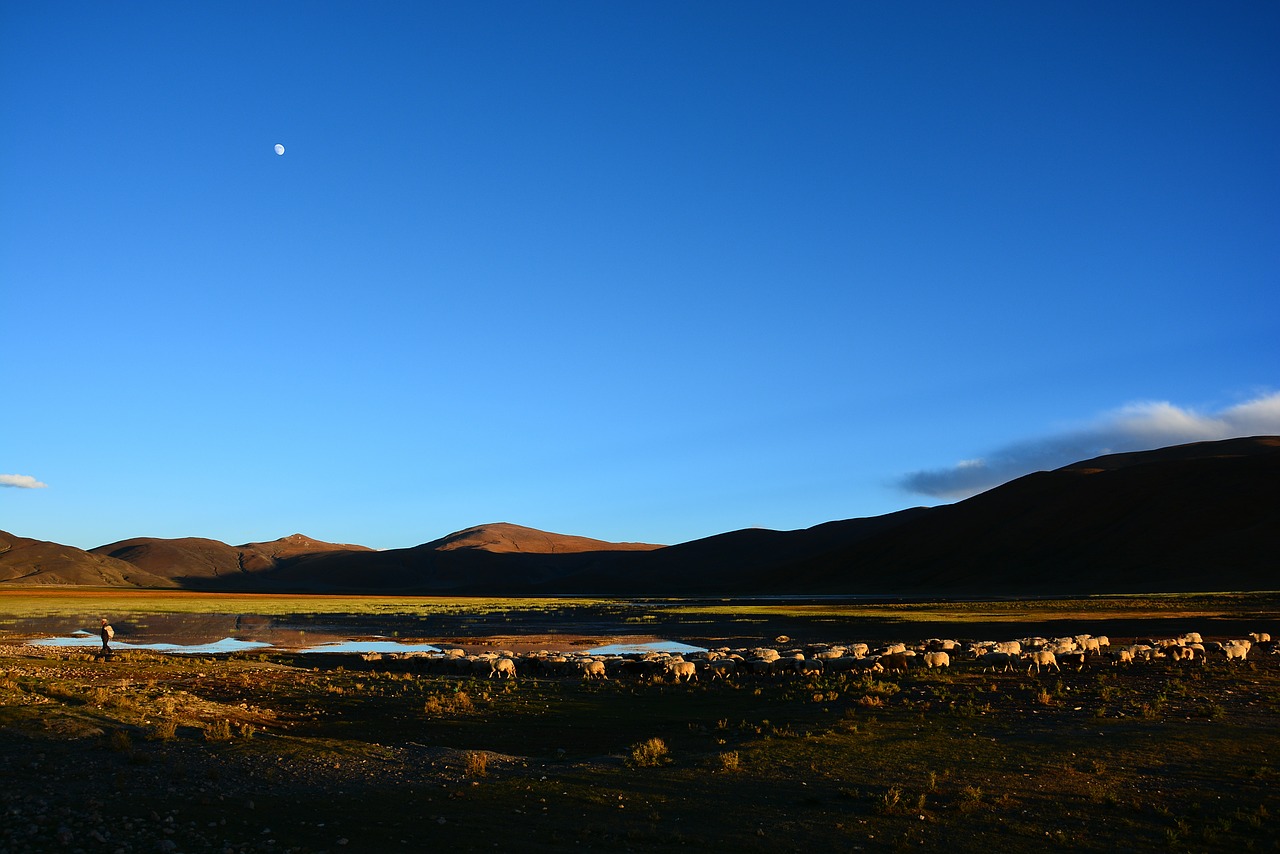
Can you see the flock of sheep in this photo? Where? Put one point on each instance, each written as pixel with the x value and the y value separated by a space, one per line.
pixel 1035 653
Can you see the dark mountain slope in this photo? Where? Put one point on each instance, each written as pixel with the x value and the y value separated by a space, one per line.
pixel 1193 517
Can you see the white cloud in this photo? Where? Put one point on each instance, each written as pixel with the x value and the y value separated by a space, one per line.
pixel 1136 427
pixel 21 481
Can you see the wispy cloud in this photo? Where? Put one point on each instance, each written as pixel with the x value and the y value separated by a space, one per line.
pixel 1136 427
pixel 21 481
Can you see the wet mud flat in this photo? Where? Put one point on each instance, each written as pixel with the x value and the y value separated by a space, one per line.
pixel 279 751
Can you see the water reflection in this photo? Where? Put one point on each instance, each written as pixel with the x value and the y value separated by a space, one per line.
pixel 363 646
pixel 672 647
pixel 83 638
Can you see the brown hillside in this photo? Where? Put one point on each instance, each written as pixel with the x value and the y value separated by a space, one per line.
pixel 28 562
pixel 505 538
pixel 195 558
pixel 255 557
pixel 184 557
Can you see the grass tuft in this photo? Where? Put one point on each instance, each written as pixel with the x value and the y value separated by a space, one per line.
pixel 649 753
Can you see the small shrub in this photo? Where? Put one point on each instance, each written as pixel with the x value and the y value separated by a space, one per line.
pixel 970 798
pixel 219 730
pixel 729 761
pixel 119 740
pixel 649 753
pixel 888 802
pixel 245 730
pixel 457 703
pixel 477 764
pixel 165 730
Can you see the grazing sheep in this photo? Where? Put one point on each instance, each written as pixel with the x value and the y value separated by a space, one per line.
pixel 1042 658
pixel 503 668
pixel 859 650
pixel 1008 647
pixel 1124 655
pixel 682 670
pixel 592 669
pixel 936 659
pixel 849 664
pixel 1236 649
pixel 1072 659
pixel 810 667
pixel 895 662
pixel 1002 660
pixel 894 648
pixel 1141 651
pixel 1260 637
pixel 721 668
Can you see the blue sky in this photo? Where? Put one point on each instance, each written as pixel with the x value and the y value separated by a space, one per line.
pixel 634 271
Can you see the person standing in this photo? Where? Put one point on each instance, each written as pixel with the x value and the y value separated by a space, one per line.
pixel 107 634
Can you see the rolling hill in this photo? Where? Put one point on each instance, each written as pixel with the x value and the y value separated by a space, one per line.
pixel 1204 516
pixel 31 563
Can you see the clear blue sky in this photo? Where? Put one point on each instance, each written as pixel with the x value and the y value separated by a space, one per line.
pixel 634 271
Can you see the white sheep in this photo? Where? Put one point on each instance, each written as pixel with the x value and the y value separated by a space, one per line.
pixel 682 670
pixel 1236 649
pixel 503 668
pixel 936 659
pixel 1042 658
pixel 721 668
pixel 592 669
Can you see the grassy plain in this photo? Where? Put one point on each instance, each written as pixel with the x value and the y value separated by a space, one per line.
pixel 279 752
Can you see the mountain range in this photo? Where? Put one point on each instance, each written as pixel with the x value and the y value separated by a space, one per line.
pixel 1198 517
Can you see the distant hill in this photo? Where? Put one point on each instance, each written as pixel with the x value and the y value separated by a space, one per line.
pixel 197 562
pixel 1197 517
pixel 28 562
pixel 1204 516
pixel 505 538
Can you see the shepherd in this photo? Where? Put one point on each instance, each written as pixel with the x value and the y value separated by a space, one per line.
pixel 107 634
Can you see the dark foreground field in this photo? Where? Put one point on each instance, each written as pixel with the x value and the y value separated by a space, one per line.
pixel 283 752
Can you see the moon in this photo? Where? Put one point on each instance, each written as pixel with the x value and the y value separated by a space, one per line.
pixel 279 148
